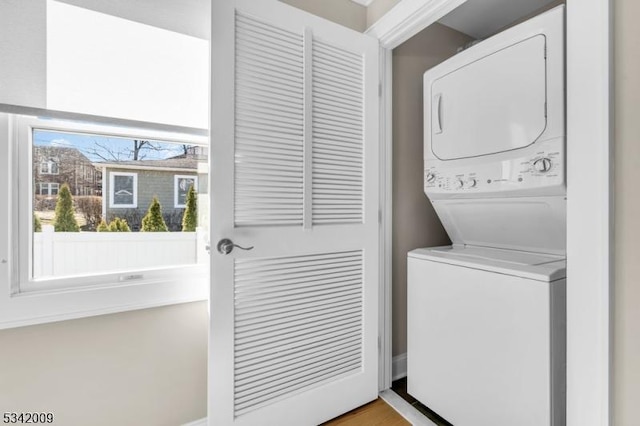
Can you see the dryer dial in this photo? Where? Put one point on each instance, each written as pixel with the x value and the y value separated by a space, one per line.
pixel 542 165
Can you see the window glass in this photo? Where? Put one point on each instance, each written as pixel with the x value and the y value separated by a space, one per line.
pixel 106 204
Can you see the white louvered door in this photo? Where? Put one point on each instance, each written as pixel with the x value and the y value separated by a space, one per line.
pixel 294 143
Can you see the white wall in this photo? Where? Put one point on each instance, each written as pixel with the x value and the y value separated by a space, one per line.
pixel 377 9
pixel 626 316
pixel 112 68
pixel 146 367
pixel 23 52
pixel 343 12
pixel 139 367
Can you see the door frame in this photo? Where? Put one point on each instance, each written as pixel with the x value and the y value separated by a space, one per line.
pixel 589 195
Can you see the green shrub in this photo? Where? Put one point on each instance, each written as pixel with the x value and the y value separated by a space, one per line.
pixel 119 225
pixel 116 225
pixel 153 221
pixel 190 217
pixel 65 220
pixel 37 225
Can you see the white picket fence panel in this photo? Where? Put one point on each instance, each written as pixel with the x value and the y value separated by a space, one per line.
pixel 59 254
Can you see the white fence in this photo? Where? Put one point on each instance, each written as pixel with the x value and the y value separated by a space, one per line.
pixel 57 254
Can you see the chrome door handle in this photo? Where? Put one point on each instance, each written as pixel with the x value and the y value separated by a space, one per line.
pixel 225 246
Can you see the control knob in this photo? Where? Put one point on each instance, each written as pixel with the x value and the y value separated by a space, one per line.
pixel 459 184
pixel 472 182
pixel 542 165
pixel 431 177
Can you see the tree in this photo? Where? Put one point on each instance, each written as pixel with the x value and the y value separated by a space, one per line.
pixel 65 220
pixel 190 216
pixel 37 225
pixel 153 220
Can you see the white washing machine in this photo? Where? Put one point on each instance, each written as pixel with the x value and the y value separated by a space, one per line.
pixel 486 333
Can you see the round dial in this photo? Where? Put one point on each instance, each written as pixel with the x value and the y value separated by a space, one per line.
pixel 459 184
pixel 542 165
pixel 472 182
pixel 431 177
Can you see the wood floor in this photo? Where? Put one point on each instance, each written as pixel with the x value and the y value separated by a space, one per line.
pixel 376 413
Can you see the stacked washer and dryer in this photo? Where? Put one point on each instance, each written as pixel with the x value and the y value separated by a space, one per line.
pixel 486 316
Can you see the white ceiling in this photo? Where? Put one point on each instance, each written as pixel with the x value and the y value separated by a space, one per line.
pixel 482 18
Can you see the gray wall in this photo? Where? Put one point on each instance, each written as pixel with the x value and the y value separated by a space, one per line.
pixel 626 314
pixel 343 12
pixel 146 367
pixel 415 223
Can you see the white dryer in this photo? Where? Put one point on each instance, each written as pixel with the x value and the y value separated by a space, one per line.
pixel 486 316
pixel 494 139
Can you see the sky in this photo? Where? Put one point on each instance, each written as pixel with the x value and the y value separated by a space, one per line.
pixel 95 147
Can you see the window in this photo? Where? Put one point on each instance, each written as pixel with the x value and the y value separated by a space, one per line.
pixel 49 167
pixel 97 253
pixel 123 190
pixel 49 188
pixel 182 184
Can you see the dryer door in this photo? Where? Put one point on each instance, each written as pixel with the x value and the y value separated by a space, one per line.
pixel 495 104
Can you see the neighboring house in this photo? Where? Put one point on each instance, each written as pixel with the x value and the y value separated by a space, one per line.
pixel 129 187
pixel 54 165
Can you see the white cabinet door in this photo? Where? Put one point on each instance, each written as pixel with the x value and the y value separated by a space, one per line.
pixel 496 103
pixel 294 145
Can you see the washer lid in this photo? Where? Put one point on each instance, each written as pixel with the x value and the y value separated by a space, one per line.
pixel 494 104
pixel 535 266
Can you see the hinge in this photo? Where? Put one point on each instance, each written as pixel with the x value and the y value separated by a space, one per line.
pixel 379 344
pixel 379 216
pixel 380 90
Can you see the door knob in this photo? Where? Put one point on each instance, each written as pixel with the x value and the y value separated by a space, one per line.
pixel 225 246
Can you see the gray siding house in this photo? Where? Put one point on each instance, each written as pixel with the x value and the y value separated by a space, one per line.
pixel 128 187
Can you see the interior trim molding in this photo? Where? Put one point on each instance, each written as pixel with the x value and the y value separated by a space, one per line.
pixel 408 18
pixel 399 367
pixel 406 410
pixel 199 422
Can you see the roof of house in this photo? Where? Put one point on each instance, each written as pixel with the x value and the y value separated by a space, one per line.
pixel 185 164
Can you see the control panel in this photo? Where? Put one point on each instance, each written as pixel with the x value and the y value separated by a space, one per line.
pixel 539 169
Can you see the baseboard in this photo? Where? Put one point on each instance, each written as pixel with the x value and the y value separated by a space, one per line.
pixel 199 422
pixel 399 366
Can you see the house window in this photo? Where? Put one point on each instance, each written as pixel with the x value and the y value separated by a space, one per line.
pixel 123 190
pixel 49 167
pixel 49 188
pixel 89 237
pixel 181 185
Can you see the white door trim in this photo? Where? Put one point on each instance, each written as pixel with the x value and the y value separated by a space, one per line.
pixel 589 215
pixel 407 18
pixel 589 211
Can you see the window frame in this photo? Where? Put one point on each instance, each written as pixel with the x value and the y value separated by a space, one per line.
pixel 176 179
pixel 25 301
pixel 49 186
pixel 112 194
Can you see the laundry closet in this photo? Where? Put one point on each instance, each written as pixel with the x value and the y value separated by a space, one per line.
pixel 481 314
